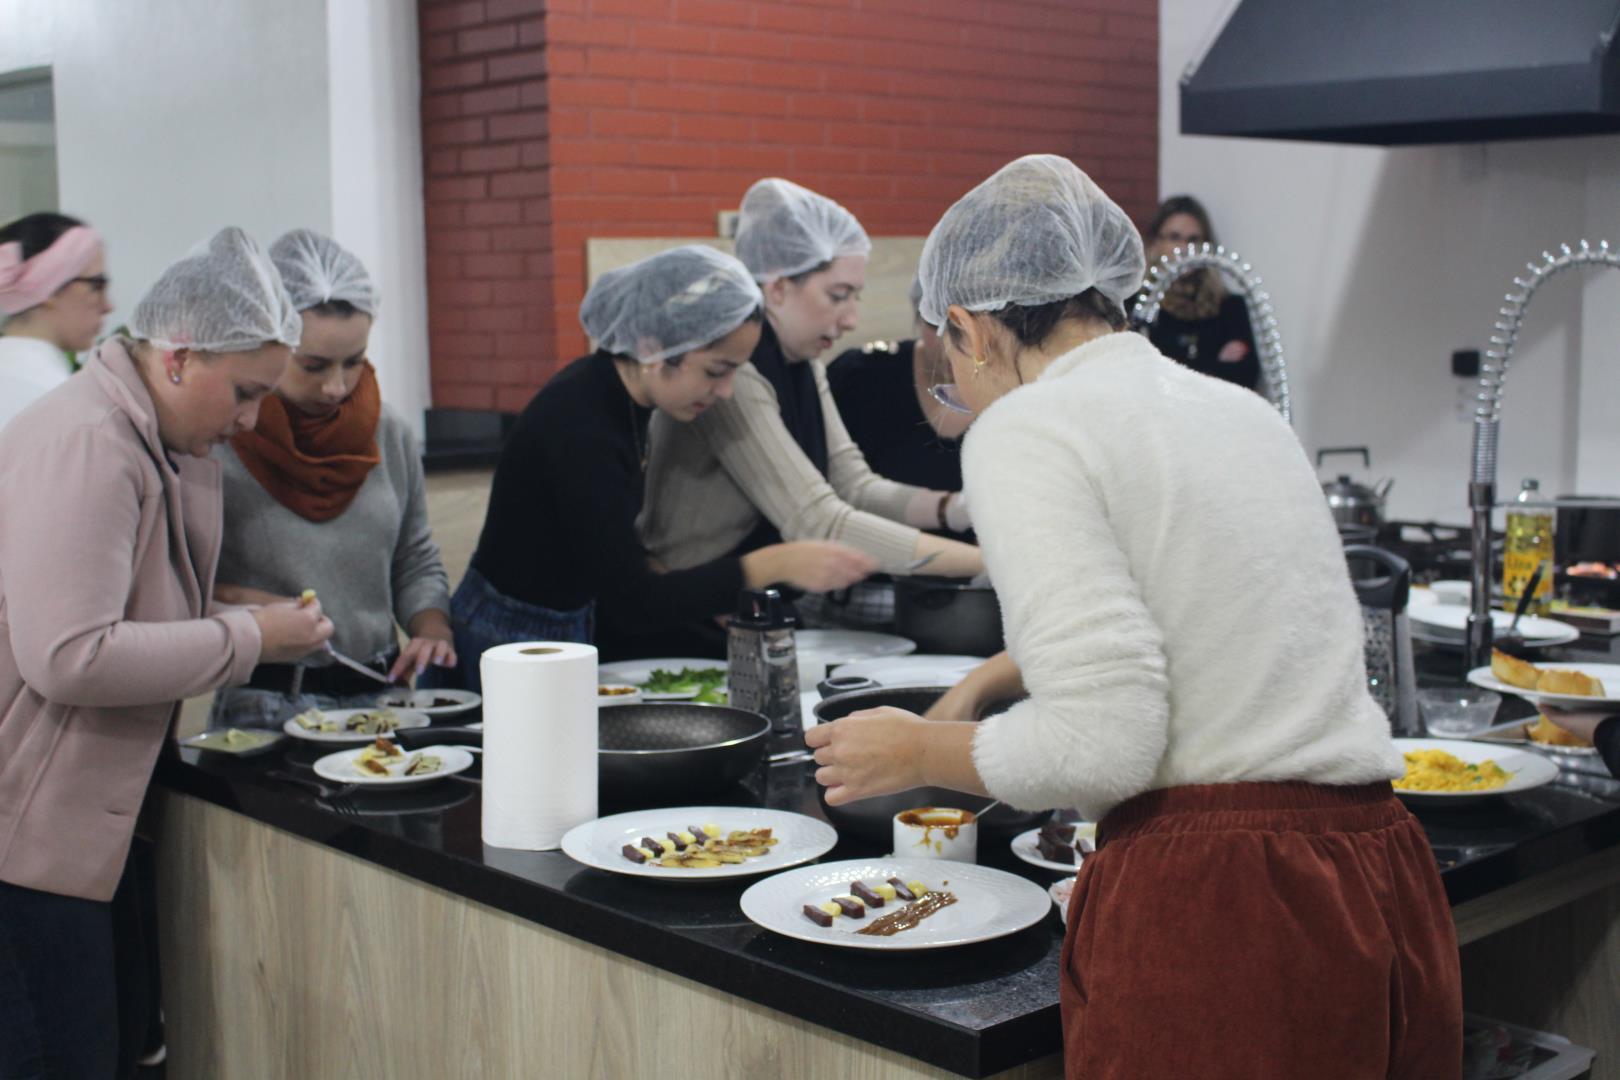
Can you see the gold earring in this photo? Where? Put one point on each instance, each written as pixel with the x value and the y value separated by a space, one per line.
pixel 978 366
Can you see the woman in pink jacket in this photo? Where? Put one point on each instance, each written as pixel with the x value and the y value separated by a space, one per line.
pixel 110 522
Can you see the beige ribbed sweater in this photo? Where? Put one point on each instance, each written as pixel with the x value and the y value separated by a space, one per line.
pixel 710 481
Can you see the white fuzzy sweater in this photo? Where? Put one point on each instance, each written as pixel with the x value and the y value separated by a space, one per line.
pixel 1174 590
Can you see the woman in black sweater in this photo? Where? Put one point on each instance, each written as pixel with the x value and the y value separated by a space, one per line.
pixel 558 558
pixel 1200 324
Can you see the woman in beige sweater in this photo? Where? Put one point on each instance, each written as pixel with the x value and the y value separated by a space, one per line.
pixel 109 535
pixel 775 462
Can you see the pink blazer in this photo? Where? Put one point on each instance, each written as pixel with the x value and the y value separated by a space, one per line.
pixel 107 555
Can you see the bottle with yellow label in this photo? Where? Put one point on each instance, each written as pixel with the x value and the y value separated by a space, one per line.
pixel 1529 545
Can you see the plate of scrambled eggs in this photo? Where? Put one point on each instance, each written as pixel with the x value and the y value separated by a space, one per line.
pixel 1444 771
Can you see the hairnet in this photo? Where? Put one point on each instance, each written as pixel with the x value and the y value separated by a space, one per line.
pixel 669 304
pixel 317 269
pixel 1037 231
pixel 225 296
pixel 785 229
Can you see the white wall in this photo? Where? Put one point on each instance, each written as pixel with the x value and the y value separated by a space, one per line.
pixel 376 156
pixel 1381 262
pixel 176 117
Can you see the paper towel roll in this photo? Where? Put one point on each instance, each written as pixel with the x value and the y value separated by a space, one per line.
pixel 539 742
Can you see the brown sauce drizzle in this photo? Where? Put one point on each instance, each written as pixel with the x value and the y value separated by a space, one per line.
pixel 929 818
pixel 908 916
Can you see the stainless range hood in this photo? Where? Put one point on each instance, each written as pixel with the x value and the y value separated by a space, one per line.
pixel 1401 72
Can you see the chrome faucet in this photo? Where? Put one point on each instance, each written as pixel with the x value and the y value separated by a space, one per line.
pixel 1267 339
pixel 1487 425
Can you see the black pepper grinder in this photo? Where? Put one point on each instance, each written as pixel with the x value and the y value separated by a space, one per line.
pixel 762 661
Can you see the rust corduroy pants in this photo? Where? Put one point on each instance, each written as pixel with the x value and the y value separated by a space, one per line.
pixel 1284 930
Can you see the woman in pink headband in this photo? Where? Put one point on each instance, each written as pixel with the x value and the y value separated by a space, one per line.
pixel 53 298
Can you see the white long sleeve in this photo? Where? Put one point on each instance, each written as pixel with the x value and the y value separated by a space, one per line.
pixel 1173 588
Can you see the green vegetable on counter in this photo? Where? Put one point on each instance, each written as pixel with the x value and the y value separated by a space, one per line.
pixel 705 682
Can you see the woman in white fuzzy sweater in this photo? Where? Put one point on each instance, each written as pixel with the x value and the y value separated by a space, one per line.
pixel 1179 613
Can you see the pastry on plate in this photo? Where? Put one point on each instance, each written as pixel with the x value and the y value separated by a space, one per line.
pixel 1513 671
pixel 1547 733
pixel 1573 683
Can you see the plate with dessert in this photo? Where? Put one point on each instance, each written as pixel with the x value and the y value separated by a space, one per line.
pixel 1060 846
pixel 430 702
pixel 349 727
pixel 1565 686
pixel 699 843
pixel 895 904
pixel 383 764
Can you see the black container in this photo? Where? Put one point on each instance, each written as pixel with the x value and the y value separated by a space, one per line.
pixel 948 616
pixel 676 746
pixel 874 818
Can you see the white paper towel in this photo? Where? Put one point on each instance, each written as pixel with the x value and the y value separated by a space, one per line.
pixel 539 742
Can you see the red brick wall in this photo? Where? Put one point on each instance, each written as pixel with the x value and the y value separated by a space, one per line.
pixel 653 115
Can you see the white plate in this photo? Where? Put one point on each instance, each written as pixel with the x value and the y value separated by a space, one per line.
pixel 408 718
pixel 1607 674
pixel 341 768
pixel 417 701
pixel 1529 770
pixel 216 740
pixel 1060 892
pixel 600 843
pixel 833 647
pixel 1023 846
pixel 918 670
pixel 636 672
pixel 989 903
pixel 1448 623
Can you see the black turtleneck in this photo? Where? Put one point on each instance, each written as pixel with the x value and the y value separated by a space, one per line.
pixel 560 530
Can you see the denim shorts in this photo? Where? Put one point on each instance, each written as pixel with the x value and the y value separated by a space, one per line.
pixel 483 617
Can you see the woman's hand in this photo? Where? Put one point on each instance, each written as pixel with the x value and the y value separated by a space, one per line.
pixel 290 631
pixel 873 752
pixel 1582 722
pixel 815 566
pixel 960 703
pixel 1233 352
pixel 243 595
pixel 432 642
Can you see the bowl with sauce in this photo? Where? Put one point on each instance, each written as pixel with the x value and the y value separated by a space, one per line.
pixel 936 832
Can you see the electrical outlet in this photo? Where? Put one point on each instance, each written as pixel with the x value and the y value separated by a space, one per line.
pixel 1465 363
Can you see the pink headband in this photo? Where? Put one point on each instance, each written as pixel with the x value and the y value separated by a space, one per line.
pixel 26 283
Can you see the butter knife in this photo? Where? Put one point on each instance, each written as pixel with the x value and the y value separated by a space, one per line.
pixel 355 665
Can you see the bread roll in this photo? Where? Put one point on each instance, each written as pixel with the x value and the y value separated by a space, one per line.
pixel 1513 671
pixel 1574 683
pixel 1549 733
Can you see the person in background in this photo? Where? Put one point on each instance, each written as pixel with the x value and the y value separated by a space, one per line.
pixel 775 461
pixel 328 493
pixel 1200 324
pixel 108 621
pixel 883 395
pixel 1205 702
pixel 53 297
pixel 558 558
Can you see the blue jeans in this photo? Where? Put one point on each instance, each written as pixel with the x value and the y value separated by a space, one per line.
pixel 483 617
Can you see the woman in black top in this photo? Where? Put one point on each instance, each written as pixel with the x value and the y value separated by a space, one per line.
pixel 558 558
pixel 1200 324
pixel 882 394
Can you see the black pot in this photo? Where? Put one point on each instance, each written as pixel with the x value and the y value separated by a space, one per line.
pixel 676 746
pixel 874 818
pixel 948 616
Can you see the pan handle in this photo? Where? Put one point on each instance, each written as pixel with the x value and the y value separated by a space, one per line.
pixel 845 684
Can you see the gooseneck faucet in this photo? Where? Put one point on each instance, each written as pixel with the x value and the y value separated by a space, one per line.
pixel 1262 319
pixel 1487 426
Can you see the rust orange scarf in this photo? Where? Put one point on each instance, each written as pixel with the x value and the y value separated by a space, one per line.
pixel 314 465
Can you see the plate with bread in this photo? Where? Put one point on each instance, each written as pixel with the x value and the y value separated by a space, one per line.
pixel 1561 686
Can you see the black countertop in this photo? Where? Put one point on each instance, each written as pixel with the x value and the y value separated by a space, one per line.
pixel 974 1010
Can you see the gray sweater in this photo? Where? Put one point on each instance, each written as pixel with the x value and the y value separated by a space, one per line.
pixel 372 565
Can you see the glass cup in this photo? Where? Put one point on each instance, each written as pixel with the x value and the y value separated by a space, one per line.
pixel 1457 712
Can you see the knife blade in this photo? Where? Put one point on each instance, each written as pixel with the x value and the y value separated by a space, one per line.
pixel 355 665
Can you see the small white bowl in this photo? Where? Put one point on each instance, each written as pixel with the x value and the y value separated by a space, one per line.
pixel 936 832
pixel 617 694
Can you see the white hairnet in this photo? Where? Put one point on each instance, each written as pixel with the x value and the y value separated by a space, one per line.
pixel 1037 231
pixel 669 304
pixel 317 269
pixel 225 296
pixel 785 229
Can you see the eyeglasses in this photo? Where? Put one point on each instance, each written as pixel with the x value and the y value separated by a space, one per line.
pixel 97 282
pixel 947 395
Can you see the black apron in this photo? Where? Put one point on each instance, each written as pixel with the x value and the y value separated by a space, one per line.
pixel 800 406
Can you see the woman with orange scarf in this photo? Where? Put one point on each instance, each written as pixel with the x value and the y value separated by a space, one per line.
pixel 327 493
